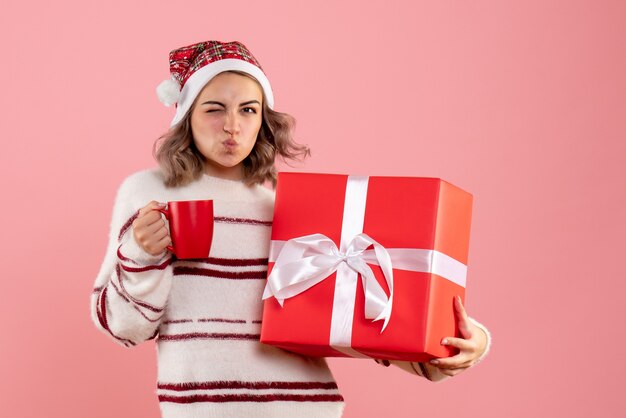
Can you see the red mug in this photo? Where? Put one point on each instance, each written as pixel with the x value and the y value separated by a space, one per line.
pixel 191 227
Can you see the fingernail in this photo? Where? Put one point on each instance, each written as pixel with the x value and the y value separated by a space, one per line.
pixel 444 341
pixel 434 362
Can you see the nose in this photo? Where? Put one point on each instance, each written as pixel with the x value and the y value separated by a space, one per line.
pixel 231 123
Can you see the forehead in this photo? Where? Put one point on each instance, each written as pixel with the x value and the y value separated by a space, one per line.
pixel 233 84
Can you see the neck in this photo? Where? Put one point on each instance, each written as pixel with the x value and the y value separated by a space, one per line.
pixel 226 173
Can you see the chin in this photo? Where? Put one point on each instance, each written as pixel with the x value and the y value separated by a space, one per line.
pixel 228 164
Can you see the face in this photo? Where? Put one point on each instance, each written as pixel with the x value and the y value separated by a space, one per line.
pixel 225 122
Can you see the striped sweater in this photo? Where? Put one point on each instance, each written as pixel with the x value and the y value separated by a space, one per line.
pixel 205 314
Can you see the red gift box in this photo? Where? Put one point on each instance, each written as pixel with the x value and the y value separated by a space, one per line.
pixel 366 266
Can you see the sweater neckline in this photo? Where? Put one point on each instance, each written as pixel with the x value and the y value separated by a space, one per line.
pixel 220 179
pixel 226 184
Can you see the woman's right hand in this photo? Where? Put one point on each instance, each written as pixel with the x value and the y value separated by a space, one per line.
pixel 149 229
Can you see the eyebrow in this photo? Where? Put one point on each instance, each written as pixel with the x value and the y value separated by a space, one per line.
pixel 223 105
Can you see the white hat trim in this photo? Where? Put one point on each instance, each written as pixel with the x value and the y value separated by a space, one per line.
pixel 201 77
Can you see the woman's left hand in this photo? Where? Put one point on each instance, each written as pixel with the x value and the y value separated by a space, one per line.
pixel 472 345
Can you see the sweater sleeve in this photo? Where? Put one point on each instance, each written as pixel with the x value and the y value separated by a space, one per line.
pixel 429 371
pixel 132 286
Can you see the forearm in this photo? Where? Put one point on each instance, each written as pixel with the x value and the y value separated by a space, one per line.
pixel 424 370
pixel 130 305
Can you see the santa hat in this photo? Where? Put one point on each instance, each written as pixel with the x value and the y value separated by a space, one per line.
pixel 192 67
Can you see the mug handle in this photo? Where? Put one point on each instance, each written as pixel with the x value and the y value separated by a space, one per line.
pixel 167 216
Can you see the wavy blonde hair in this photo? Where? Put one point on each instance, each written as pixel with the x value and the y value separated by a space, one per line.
pixel 182 163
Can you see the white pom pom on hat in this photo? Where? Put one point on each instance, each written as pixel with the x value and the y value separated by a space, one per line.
pixel 193 66
pixel 168 92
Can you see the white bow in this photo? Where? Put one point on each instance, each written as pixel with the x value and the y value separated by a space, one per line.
pixel 305 261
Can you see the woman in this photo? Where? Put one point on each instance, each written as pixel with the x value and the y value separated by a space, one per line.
pixel 221 146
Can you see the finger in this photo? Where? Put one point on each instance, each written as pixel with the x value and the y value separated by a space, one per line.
pixel 144 228
pixel 148 236
pixel 160 233
pixel 155 233
pixel 164 242
pixel 453 363
pixel 157 247
pixel 153 204
pixel 460 360
pixel 460 343
pixel 148 219
pixel 155 227
pixel 464 324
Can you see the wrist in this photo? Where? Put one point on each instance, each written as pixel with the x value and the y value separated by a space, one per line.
pixel 130 251
pixel 487 334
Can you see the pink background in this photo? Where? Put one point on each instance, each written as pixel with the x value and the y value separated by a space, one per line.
pixel 522 103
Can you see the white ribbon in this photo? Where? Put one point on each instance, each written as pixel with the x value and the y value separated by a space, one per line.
pixel 409 259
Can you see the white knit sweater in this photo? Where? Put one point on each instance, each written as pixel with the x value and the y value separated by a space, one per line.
pixel 205 314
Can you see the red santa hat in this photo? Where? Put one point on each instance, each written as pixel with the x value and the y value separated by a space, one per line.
pixel 193 66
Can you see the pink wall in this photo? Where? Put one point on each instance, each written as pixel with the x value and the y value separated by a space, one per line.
pixel 521 103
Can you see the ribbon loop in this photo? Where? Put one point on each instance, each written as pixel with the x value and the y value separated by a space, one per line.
pixel 305 261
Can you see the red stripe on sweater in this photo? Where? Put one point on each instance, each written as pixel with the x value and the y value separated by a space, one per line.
pixel 251 398
pixel 161 266
pixel 136 301
pixel 224 219
pixel 120 293
pixel 122 257
pixel 101 311
pixel 237 384
pixel 218 274
pixel 234 262
pixel 210 336
pixel 127 225
pixel 231 321
pixel 157 319
pixel 156 333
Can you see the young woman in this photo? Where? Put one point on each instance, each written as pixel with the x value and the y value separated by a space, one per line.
pixel 206 313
